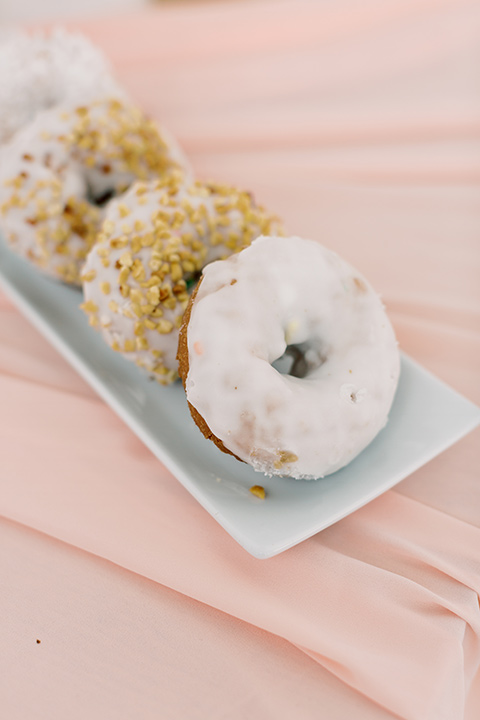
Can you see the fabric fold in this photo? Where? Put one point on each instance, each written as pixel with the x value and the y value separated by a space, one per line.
pixel 124 646
pixel 408 564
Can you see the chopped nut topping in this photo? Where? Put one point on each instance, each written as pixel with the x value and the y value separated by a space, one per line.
pixel 89 276
pixel 164 326
pixel 285 458
pixel 89 306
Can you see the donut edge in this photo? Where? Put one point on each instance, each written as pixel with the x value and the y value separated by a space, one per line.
pixel 183 369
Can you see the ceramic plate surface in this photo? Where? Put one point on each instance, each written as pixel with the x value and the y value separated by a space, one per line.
pixel 427 417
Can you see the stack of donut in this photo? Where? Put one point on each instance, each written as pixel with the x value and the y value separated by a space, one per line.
pixel 287 357
pixel 70 141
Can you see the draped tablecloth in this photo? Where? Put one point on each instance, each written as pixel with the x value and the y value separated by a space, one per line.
pixel 120 596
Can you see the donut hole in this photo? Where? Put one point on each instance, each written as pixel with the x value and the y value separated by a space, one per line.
pixel 101 200
pixel 192 280
pixel 299 360
pixel 99 196
pixel 102 184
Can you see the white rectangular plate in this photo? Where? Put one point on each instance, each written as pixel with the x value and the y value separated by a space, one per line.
pixel 426 418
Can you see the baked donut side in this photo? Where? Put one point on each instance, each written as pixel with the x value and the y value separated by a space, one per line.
pixel 183 367
pixel 58 173
pixel 281 295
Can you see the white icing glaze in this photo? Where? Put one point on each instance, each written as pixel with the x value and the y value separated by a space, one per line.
pixel 54 169
pixel 248 308
pixel 171 229
pixel 39 71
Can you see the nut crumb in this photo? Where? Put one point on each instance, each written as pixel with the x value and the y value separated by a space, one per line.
pixel 285 458
pixel 258 491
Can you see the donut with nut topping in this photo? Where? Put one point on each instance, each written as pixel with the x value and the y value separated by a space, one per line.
pixel 154 242
pixel 58 173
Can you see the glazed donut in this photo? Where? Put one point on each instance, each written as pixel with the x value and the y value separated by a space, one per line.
pixel 40 71
pixel 278 295
pixel 58 172
pixel 153 244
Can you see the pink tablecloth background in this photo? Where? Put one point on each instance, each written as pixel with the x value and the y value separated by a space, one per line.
pixel 360 124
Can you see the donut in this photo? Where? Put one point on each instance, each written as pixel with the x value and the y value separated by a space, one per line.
pixel 153 244
pixel 281 297
pixel 58 172
pixel 41 70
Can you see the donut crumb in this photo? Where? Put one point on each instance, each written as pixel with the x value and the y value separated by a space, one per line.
pixel 258 491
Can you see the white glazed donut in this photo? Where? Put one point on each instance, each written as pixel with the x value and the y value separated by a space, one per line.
pixel 248 309
pixel 156 239
pixel 39 71
pixel 58 172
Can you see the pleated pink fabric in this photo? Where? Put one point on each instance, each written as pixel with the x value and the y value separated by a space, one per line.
pixel 360 124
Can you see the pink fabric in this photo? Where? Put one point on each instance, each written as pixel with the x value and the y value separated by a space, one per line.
pixel 360 124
